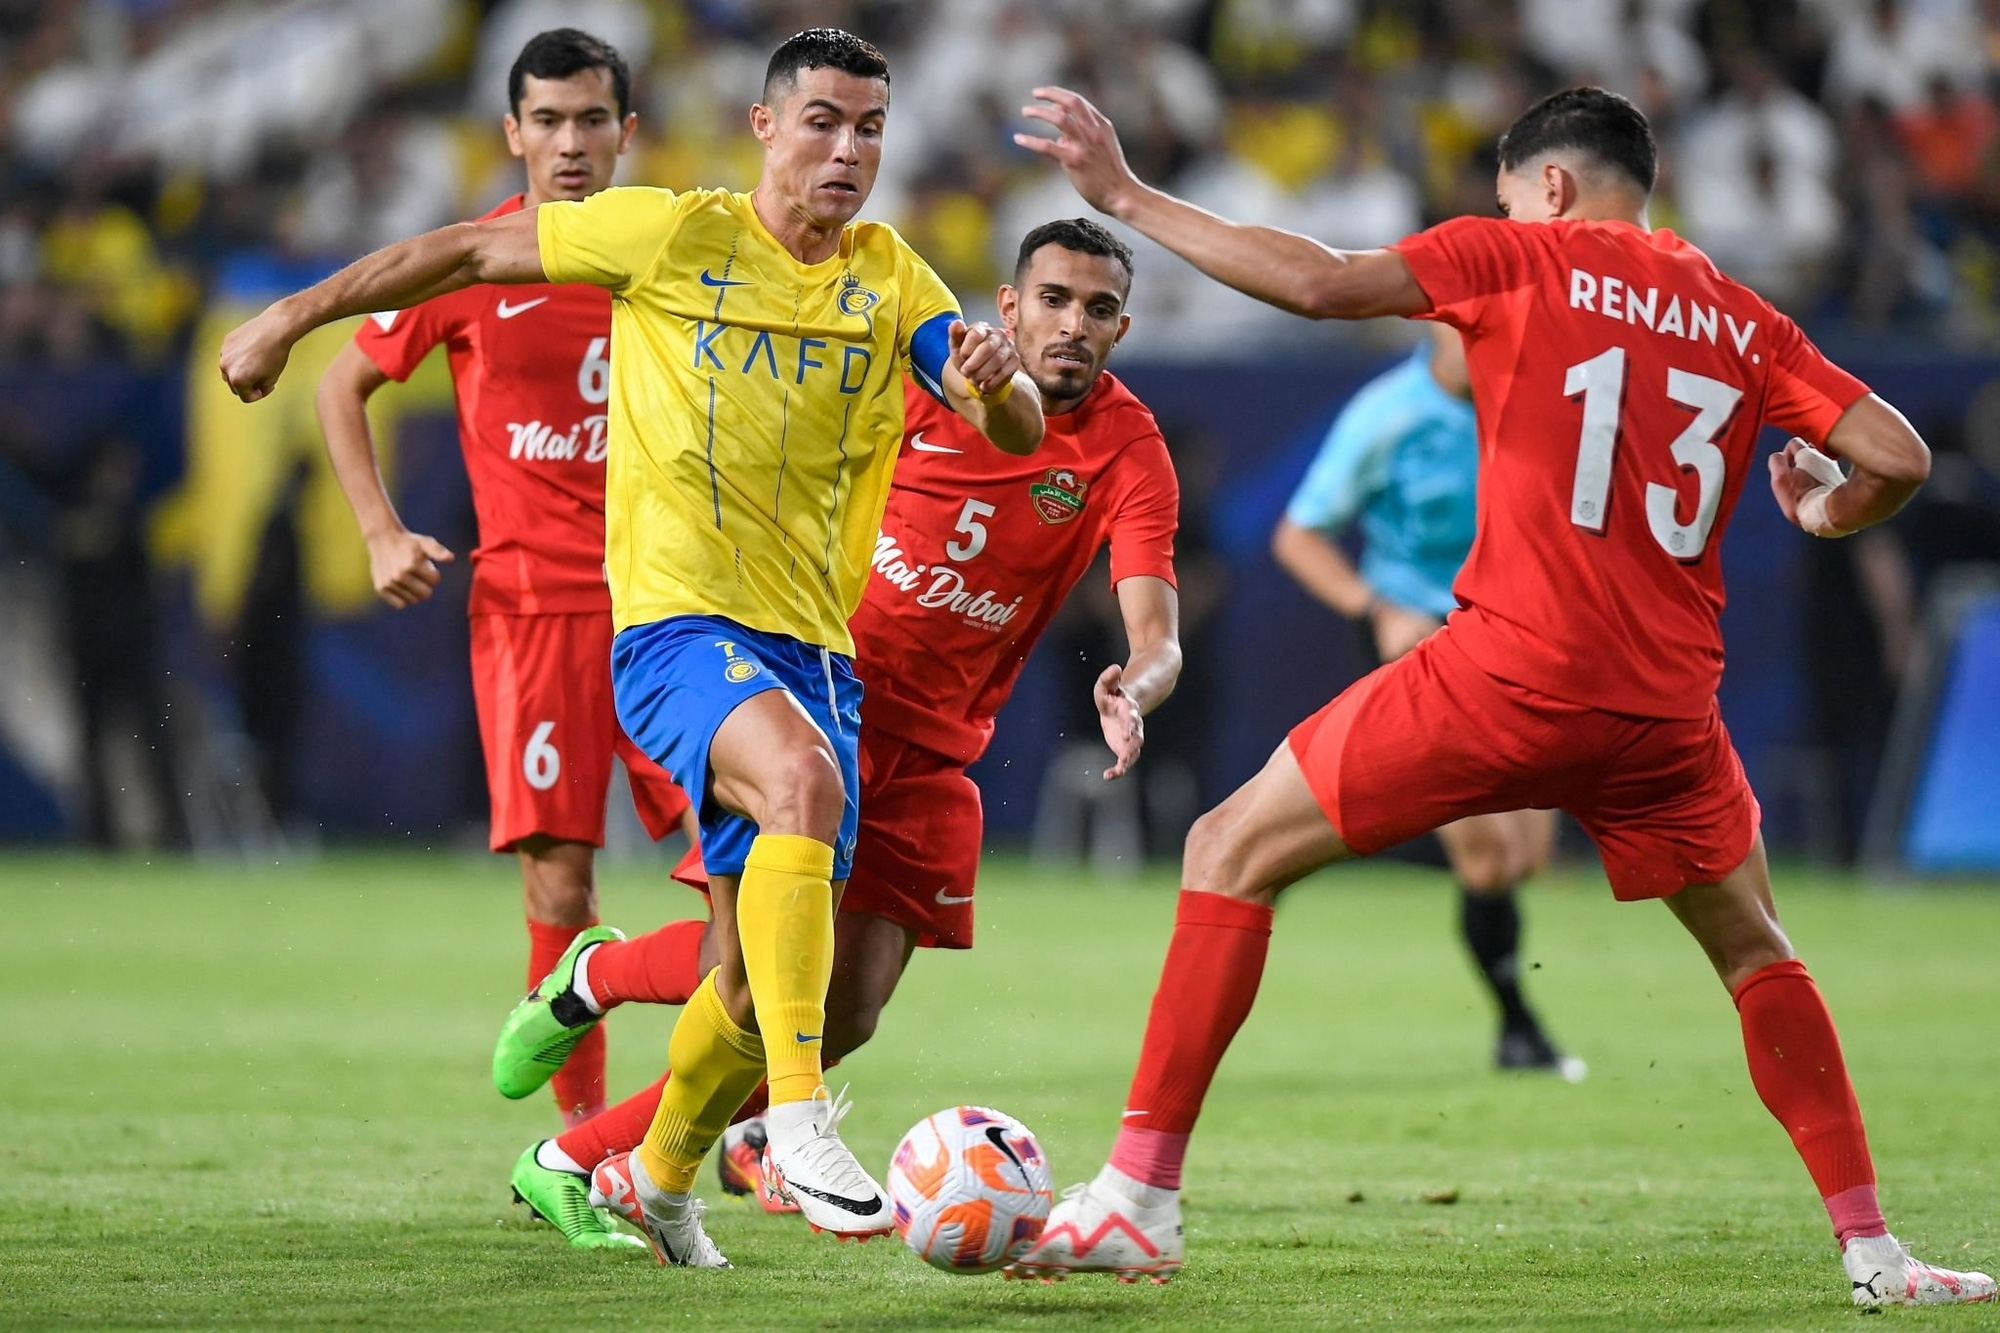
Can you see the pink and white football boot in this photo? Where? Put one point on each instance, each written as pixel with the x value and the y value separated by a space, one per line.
pixel 1115 1225
pixel 1883 1272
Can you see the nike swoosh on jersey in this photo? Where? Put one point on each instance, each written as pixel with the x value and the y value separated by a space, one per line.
pixel 710 280
pixel 506 311
pixel 859 1207
pixel 945 899
pixel 924 446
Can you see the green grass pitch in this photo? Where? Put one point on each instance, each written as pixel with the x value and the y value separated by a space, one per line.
pixel 257 1097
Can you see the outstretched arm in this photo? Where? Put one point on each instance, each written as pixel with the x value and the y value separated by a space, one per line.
pixel 403 565
pixel 1890 462
pixel 1282 268
pixel 984 383
pixel 393 278
pixel 1124 694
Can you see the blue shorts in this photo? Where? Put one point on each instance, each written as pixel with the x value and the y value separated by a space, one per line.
pixel 675 680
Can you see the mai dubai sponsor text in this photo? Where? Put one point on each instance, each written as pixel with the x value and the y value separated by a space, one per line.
pixel 940 587
pixel 538 442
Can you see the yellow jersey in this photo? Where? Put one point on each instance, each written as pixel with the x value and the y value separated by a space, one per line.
pixel 756 404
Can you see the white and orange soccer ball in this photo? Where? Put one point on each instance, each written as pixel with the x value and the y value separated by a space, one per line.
pixel 971 1189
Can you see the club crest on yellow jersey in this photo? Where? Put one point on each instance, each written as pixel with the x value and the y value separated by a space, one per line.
pixel 854 298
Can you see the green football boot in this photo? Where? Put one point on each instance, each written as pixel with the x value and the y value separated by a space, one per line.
pixel 544 1028
pixel 563 1200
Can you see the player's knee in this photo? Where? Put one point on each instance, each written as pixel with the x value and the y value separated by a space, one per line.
pixel 1219 857
pixel 804 795
pixel 848 1031
pixel 1488 869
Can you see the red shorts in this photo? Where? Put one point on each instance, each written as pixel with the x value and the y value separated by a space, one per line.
pixel 917 853
pixel 542 685
pixel 1431 738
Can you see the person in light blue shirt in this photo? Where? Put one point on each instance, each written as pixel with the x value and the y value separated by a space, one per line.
pixel 1401 463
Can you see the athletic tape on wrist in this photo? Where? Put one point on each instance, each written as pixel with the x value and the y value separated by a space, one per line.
pixel 1813 516
pixel 1813 512
pixel 997 397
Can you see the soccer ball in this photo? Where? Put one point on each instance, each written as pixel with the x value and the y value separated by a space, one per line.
pixel 971 1189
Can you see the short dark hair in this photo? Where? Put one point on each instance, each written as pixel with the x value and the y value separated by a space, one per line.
pixel 821 48
pixel 1601 124
pixel 561 52
pixel 1077 234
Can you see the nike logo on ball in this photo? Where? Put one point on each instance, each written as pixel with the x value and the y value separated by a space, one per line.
pixel 924 446
pixel 710 280
pixel 945 899
pixel 998 1138
pixel 506 311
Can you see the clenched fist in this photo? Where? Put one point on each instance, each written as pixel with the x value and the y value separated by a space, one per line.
pixel 254 355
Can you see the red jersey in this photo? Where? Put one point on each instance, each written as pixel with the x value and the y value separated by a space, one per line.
pixel 978 549
pixel 531 368
pixel 1620 382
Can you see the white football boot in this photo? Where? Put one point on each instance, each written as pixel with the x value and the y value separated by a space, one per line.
pixel 620 1183
pixel 1113 1225
pixel 1884 1273
pixel 806 1163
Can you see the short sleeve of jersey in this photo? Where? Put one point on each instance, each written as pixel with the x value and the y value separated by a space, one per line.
pixel 1466 262
pixel 924 315
pixel 1351 466
pixel 1148 513
pixel 1806 393
pixel 397 341
pixel 612 239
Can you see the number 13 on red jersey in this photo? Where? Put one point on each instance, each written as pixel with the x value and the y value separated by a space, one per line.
pixel 1600 383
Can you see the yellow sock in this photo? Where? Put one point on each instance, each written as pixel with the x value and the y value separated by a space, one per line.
pixel 784 916
pixel 715 1066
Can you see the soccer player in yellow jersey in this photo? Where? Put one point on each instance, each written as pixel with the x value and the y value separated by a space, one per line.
pixel 758 347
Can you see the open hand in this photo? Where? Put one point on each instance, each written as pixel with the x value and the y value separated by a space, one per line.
pixel 404 566
pixel 1124 727
pixel 983 354
pixel 254 355
pixel 1085 147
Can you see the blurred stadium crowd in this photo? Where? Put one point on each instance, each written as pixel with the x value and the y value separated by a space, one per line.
pixel 166 165
pixel 1839 154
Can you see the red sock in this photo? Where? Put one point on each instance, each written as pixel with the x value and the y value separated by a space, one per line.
pixel 1796 1066
pixel 579 1084
pixel 1206 989
pixel 618 1129
pixel 660 967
